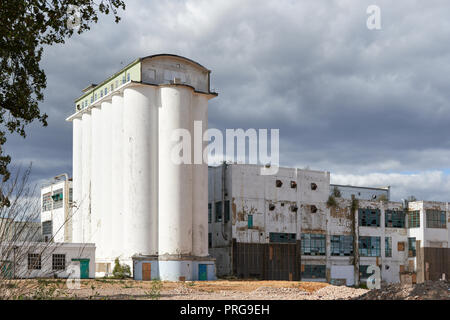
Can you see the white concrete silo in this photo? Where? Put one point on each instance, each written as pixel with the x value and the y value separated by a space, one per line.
pixel 86 177
pixel 77 180
pixel 140 170
pixel 117 190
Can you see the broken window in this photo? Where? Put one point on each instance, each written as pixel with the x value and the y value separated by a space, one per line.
pixel 313 271
pixel 279 183
pixel 250 221
pixel 341 245
pixel 47 202
pixel 293 184
pixel 414 219
pixel 436 219
pixel 227 210
pixel 282 237
pixel 369 217
pixel 209 212
pixel 313 186
pixel 313 209
pixel 394 219
pixel 34 261
pixel 271 207
pixel 363 275
pixel 219 211
pixel 58 262
pixel 57 198
pixel 313 244
pixel 388 247
pixel 411 247
pixel 369 247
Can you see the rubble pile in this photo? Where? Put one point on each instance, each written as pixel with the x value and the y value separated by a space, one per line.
pixel 429 290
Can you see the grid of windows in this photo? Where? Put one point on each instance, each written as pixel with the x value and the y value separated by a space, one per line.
pixel 369 247
pixel 313 244
pixel 282 237
pixel 388 247
pixel 369 217
pixel 311 271
pixel 209 212
pixel 34 261
pixel 341 245
pixel 436 219
pixel 47 201
pixel 58 261
pixel 394 219
pixel 411 247
pixel 218 211
pixel 57 199
pixel 414 219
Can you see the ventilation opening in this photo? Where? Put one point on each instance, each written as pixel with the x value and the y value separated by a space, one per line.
pixel 313 186
pixel 279 183
pixel 271 207
pixel 294 208
pixel 313 209
pixel 293 184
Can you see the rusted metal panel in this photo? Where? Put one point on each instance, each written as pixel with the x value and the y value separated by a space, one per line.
pixel 437 261
pixel 267 261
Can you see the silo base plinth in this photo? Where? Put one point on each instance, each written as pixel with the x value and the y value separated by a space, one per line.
pixel 174 268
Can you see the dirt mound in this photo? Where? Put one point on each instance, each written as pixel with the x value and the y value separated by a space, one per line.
pixel 429 290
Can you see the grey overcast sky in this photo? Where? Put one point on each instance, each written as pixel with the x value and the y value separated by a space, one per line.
pixel 370 106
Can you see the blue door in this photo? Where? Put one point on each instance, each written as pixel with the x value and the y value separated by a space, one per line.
pixel 202 273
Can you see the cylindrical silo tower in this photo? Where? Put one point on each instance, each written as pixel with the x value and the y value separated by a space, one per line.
pixel 77 180
pixel 86 177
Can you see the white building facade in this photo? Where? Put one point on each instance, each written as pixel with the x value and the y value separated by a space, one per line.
pixel 133 200
pixel 289 226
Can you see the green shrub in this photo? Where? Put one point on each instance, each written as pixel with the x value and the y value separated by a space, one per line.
pixel 121 271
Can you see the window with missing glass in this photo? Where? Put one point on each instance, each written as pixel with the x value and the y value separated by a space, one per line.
pixel 369 247
pixel 47 228
pixel 411 247
pixel 47 201
pixel 209 212
pixel 341 245
pixel 436 219
pixel 227 210
pixel 34 261
pixel 388 246
pixel 282 237
pixel 313 244
pixel 58 262
pixel 394 219
pixel 369 217
pixel 57 198
pixel 218 211
pixel 210 240
pixel 414 219
pixel 363 274
pixel 312 271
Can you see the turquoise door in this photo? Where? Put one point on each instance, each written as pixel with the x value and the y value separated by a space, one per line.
pixel 202 273
pixel 84 268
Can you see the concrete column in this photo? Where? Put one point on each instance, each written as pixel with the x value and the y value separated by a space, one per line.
pixel 117 193
pixel 140 142
pixel 175 180
pixel 86 178
pixel 77 180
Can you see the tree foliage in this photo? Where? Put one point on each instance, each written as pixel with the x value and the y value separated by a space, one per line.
pixel 28 26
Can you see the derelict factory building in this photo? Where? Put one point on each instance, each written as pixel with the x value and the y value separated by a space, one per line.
pixel 130 199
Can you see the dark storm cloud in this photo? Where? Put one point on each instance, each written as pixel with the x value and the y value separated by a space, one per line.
pixel 346 99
